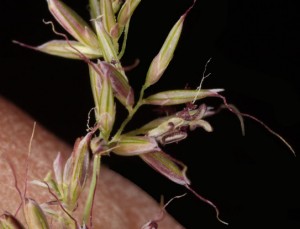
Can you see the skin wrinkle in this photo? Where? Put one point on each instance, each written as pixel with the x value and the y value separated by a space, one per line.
pixel 119 203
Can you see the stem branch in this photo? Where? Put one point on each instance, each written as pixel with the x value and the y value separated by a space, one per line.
pixel 130 115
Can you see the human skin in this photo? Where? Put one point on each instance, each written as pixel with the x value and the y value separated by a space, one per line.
pixel 118 202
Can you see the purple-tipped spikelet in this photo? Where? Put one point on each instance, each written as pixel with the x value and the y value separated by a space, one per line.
pixel 73 23
pixel 9 221
pixel 34 215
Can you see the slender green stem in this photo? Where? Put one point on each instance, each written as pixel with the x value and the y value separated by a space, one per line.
pixel 125 122
pixel 124 40
pixel 87 214
pixel 130 115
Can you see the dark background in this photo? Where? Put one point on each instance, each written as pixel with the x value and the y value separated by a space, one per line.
pixel 255 50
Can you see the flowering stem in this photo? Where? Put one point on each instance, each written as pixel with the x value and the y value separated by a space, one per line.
pixel 87 214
